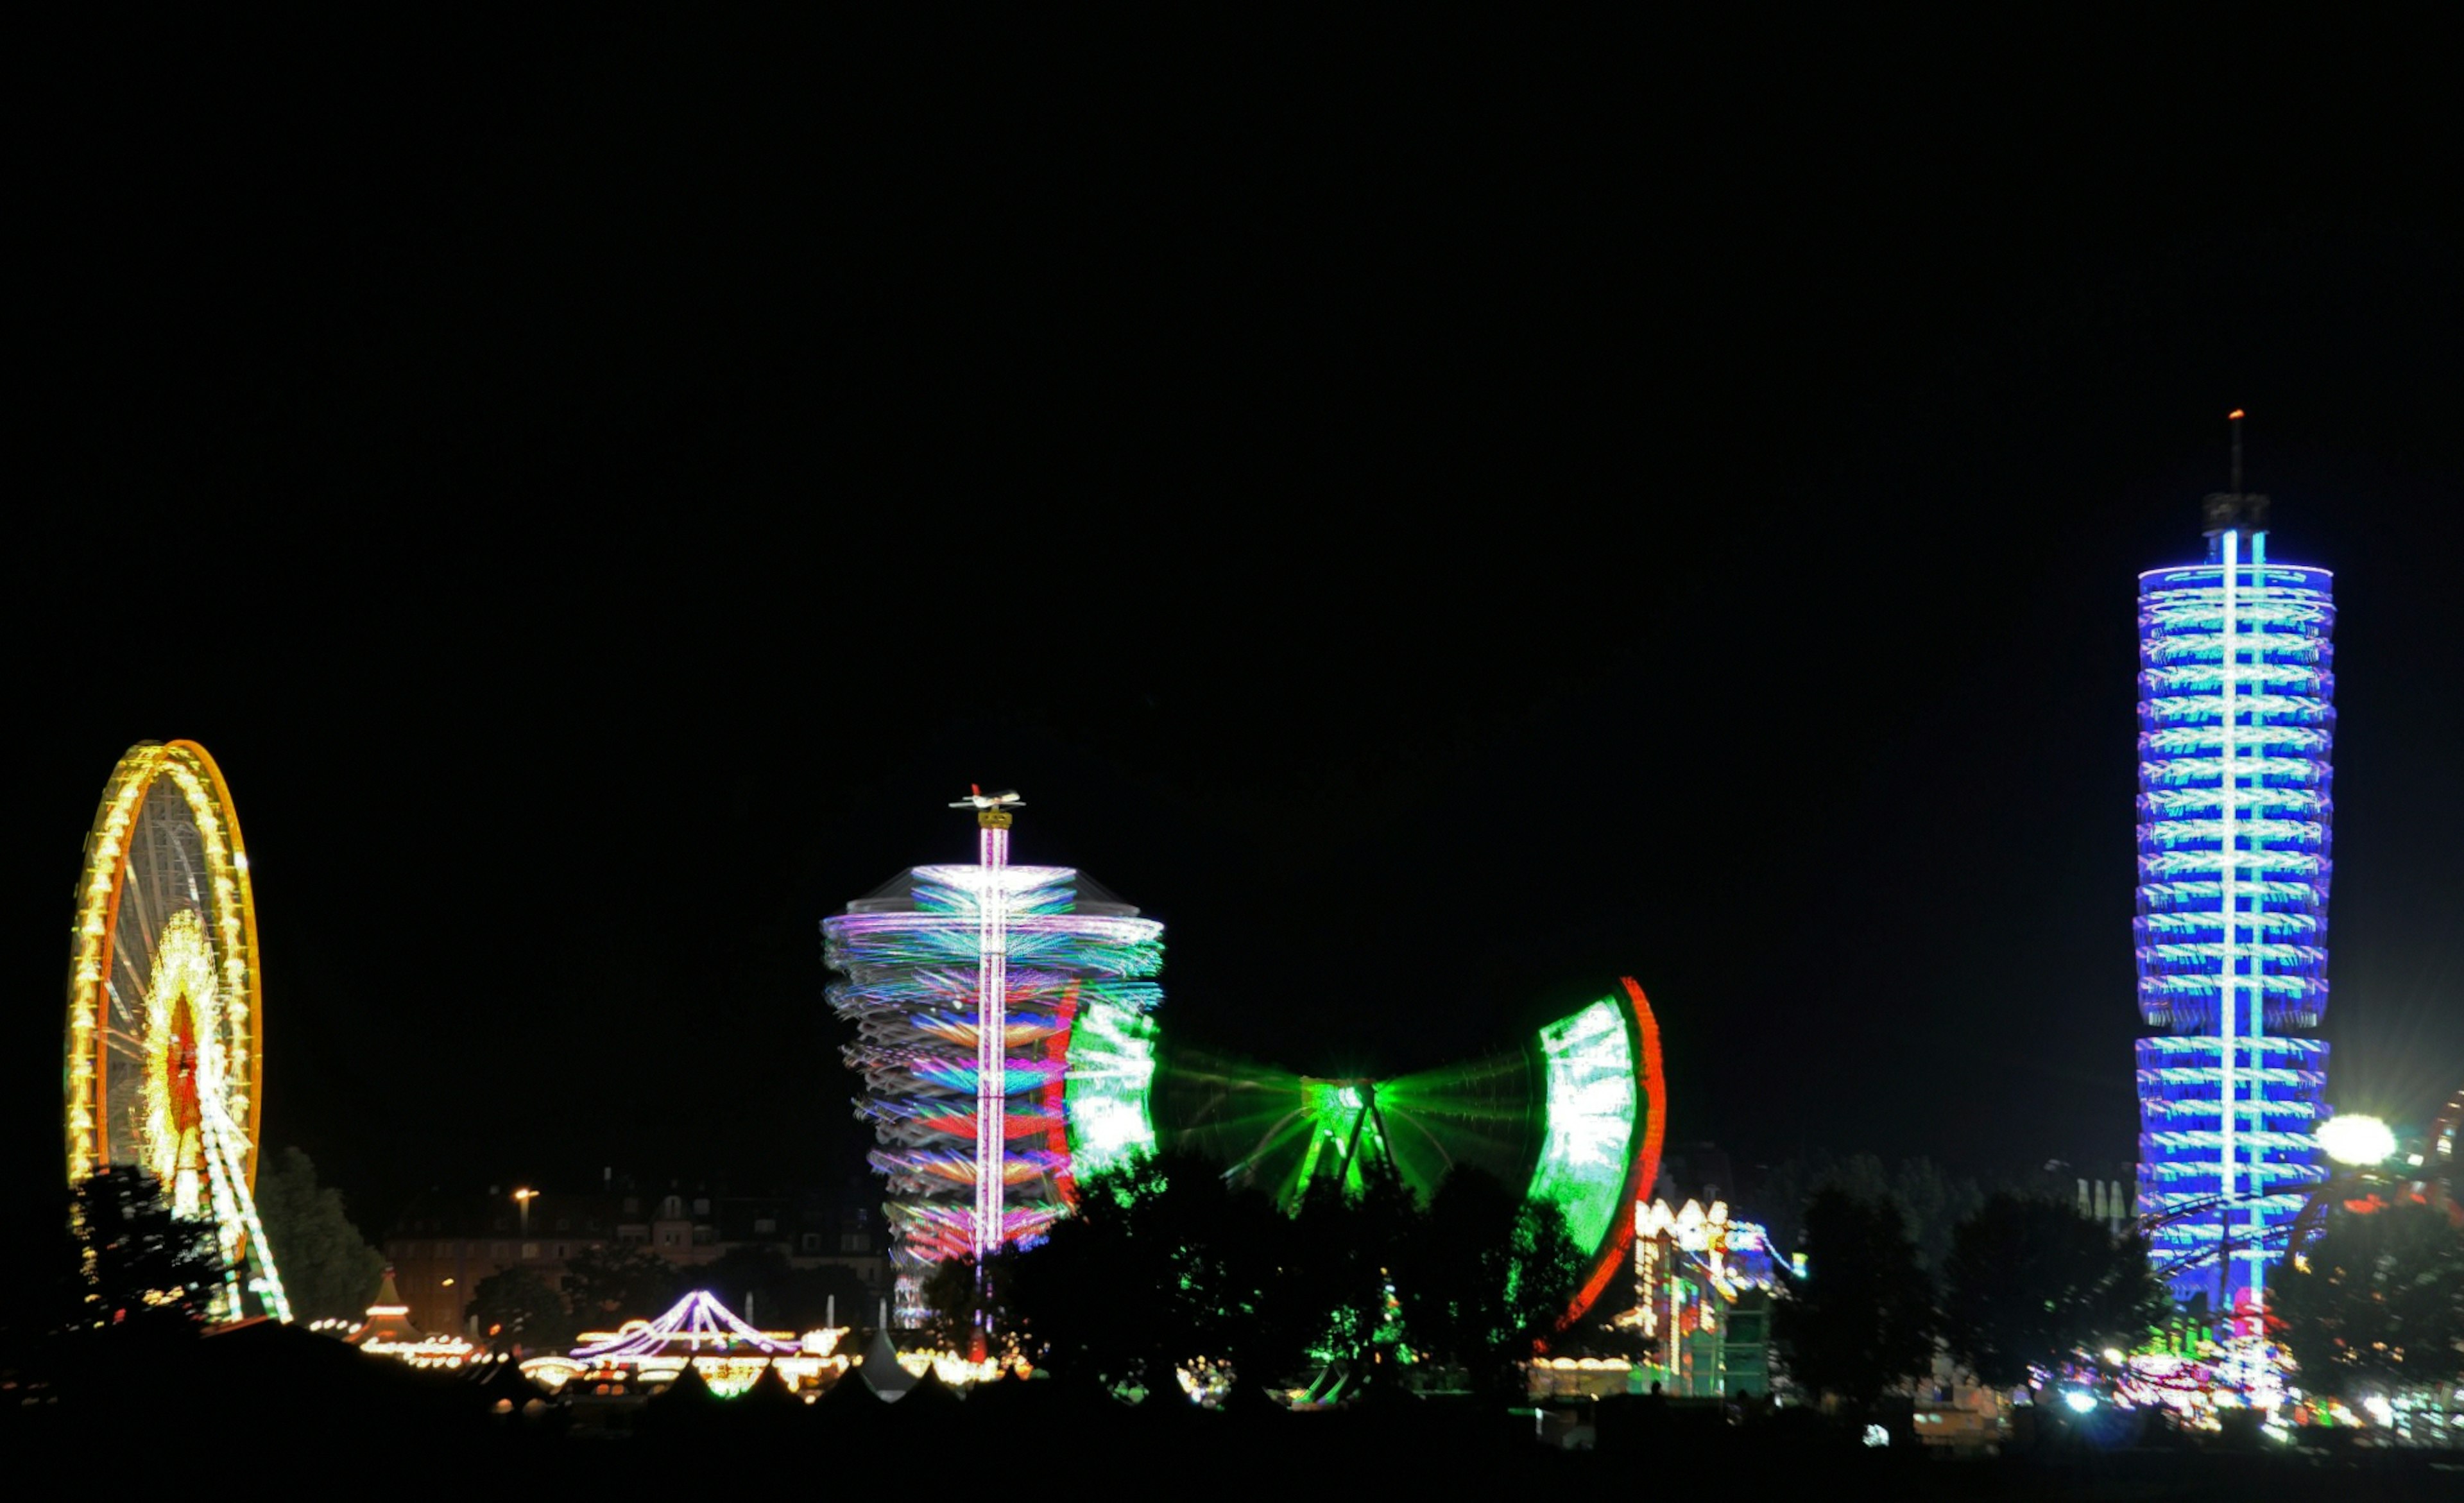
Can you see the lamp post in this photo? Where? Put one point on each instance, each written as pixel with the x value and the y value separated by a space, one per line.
pixel 523 1199
pixel 2359 1142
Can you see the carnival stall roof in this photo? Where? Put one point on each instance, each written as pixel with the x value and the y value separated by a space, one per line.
pixel 388 1319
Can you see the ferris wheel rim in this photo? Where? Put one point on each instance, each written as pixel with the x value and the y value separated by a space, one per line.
pixel 198 782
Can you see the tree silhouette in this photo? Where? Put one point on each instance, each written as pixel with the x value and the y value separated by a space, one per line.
pixel 1548 1264
pixel 752 1279
pixel 1161 1264
pixel 607 1285
pixel 963 1304
pixel 1349 1250
pixel 2377 1302
pixel 1459 1281
pixel 1933 1199
pixel 328 1269
pixel 518 1307
pixel 139 1270
pixel 2032 1284
pixel 1487 1275
pixel 1862 1317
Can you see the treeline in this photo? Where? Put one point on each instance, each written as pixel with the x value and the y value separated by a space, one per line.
pixel 2027 1286
pixel 1169 1265
pixel 2028 1290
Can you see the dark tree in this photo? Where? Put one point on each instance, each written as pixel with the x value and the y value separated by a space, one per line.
pixel 1546 1264
pixel 1862 1319
pixel 327 1268
pixel 1348 1248
pixel 1933 1199
pixel 811 1298
pixel 1076 1295
pixel 1458 1283
pixel 2032 1284
pixel 139 1270
pixel 752 1279
pixel 607 1285
pixel 518 1307
pixel 2377 1302
pixel 1488 1277
pixel 1163 1262
pixel 963 1304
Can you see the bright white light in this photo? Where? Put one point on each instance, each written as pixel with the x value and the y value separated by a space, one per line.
pixel 2359 1141
pixel 1876 1435
pixel 2079 1400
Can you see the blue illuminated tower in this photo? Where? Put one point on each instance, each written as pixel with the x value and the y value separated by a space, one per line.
pixel 2236 718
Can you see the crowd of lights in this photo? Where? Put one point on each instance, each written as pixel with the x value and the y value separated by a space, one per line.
pixel 2237 691
pixel 162 974
pixel 1003 1042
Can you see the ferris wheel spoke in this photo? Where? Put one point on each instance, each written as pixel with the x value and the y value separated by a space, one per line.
pixel 227 1146
pixel 119 1009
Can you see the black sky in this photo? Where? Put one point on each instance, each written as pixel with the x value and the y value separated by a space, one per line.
pixel 1441 519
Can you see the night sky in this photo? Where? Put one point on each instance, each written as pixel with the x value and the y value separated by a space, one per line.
pixel 1439 518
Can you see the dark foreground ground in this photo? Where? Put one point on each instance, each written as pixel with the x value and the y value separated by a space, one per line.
pixel 291 1409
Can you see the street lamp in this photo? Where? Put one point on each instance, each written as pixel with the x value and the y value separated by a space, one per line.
pixel 523 1199
pixel 2360 1141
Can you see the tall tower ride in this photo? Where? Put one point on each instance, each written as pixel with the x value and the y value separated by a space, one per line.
pixel 2237 719
pixel 1001 1032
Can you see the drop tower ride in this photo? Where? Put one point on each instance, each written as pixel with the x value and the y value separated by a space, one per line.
pixel 2237 719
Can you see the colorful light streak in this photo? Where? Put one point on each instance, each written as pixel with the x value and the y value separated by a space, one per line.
pixel 1003 1039
pixel 1576 1118
pixel 2236 718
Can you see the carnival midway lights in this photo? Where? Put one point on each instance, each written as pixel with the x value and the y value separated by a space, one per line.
pixel 165 1067
pixel 386 1331
pixel 1576 1117
pixel 1004 1039
pixel 641 1357
pixel 1691 1267
pixel 698 1332
pixel 2236 702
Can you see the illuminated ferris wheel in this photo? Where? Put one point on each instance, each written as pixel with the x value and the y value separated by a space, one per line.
pixel 166 1063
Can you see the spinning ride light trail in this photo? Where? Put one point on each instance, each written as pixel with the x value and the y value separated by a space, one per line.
pixel 2237 691
pixel 1001 1033
pixel 164 1063
pixel 1576 1118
